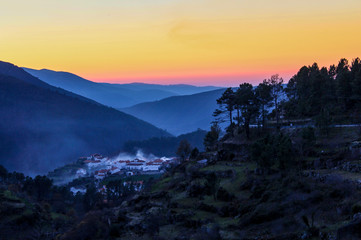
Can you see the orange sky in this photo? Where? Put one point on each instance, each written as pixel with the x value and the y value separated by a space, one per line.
pixel 218 42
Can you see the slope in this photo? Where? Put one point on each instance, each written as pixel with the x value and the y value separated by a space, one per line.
pixel 166 146
pixel 42 128
pixel 179 114
pixel 113 95
pixel 106 94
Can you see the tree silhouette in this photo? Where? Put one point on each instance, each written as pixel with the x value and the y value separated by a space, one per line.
pixel 211 138
pixel 184 149
pixel 276 90
pixel 226 107
pixel 247 102
pixel 264 98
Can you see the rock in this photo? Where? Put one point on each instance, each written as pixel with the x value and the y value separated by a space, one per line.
pixel 357 217
pixel 124 204
pixel 135 220
pixel 202 162
pixel 154 210
pixel 138 198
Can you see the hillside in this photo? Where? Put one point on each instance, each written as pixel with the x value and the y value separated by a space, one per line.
pixel 113 95
pixel 179 114
pixel 231 196
pixel 42 127
pixel 166 146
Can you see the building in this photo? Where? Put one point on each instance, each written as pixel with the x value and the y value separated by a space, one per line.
pixel 114 170
pixel 101 174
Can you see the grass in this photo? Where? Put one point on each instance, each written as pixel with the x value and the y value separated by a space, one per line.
pixel 201 215
pixel 8 195
pixel 169 231
pixel 232 185
pixel 134 178
pixel 343 174
pixel 216 203
pixel 55 215
pixel 224 166
pixel 226 222
pixel 161 184
pixel 187 202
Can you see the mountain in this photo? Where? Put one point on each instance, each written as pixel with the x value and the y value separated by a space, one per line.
pixel 179 114
pixel 113 95
pixel 43 127
pixel 178 89
pixel 9 70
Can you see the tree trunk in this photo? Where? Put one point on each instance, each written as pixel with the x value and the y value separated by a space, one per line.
pixel 246 126
pixel 277 114
pixel 238 120
pixel 263 118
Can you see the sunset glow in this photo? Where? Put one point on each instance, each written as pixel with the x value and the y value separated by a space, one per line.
pixel 179 41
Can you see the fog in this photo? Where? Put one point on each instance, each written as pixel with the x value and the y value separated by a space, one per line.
pixel 139 155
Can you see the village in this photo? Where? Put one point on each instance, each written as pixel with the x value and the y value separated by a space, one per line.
pixel 99 167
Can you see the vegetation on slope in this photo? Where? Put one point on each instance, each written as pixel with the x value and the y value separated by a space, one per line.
pixel 166 146
pixel 268 182
pixel 42 128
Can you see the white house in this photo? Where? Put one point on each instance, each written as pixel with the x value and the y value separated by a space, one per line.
pixel 134 165
pixel 114 170
pixel 152 166
pixel 101 174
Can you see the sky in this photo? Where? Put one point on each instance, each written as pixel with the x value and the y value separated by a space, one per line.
pixel 200 42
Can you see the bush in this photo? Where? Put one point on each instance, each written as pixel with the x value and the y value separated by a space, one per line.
pixel 356 208
pixel 224 195
pixel 207 208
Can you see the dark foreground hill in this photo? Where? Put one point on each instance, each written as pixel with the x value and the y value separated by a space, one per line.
pixel 43 127
pixel 179 114
pixel 232 197
pixel 113 95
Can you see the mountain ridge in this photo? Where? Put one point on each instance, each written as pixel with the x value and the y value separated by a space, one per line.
pixel 113 95
pixel 42 127
pixel 179 114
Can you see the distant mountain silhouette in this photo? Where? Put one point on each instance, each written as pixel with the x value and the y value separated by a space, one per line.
pixel 9 69
pixel 43 127
pixel 178 89
pixel 179 114
pixel 113 95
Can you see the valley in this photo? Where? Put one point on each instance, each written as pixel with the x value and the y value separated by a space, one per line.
pixel 277 162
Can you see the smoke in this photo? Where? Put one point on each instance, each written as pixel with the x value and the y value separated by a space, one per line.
pixel 139 155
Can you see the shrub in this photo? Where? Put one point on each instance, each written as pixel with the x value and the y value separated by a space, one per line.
pixel 356 208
